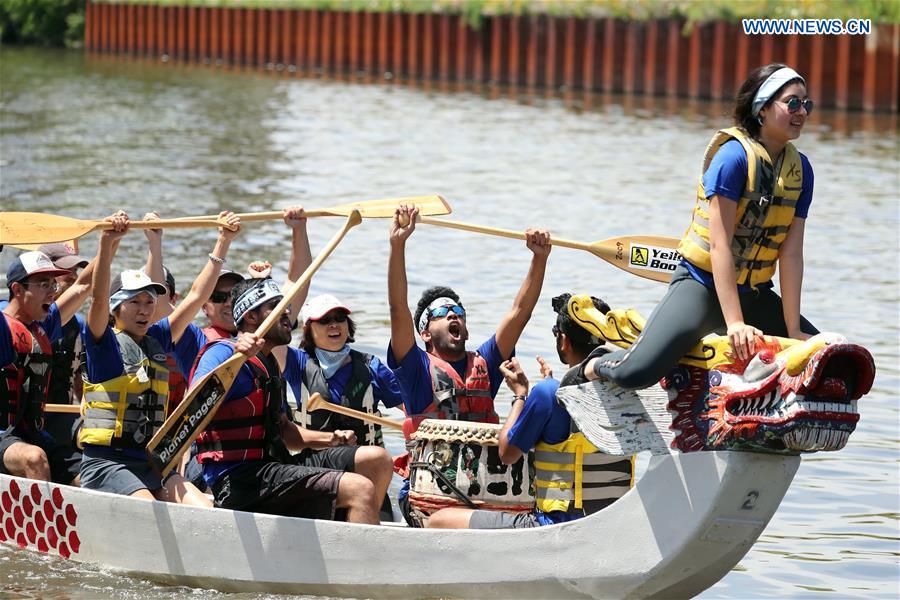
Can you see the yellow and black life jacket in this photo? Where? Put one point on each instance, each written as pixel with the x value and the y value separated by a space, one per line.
pixel 573 476
pixel 764 213
pixel 125 412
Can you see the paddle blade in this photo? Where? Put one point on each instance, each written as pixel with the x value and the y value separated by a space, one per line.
pixel 17 228
pixel 619 421
pixel 384 209
pixel 192 416
pixel 649 256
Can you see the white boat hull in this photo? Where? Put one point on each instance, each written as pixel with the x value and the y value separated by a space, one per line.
pixel 685 524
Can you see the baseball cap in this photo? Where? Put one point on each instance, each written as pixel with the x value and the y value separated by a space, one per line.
pixel 31 263
pixel 132 280
pixel 319 306
pixel 229 274
pixel 63 255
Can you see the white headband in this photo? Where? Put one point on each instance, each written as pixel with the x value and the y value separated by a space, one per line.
pixel 426 314
pixel 254 297
pixel 772 85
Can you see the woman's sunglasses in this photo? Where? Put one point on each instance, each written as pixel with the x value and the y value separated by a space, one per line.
pixel 336 317
pixel 794 104
pixel 219 297
pixel 441 311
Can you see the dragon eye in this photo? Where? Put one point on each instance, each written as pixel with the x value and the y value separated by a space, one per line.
pixel 715 378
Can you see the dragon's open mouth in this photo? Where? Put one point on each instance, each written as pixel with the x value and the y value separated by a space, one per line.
pixel 814 409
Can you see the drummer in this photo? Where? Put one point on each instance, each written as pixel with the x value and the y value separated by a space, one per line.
pixel 536 420
pixel 445 380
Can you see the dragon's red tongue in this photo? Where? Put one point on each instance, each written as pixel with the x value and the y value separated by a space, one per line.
pixel 832 387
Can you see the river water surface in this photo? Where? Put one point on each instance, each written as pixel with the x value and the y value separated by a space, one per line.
pixel 85 136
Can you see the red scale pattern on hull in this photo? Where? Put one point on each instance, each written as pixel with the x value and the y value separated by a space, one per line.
pixel 39 520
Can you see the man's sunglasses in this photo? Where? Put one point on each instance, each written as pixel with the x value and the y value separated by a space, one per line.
pixel 794 104
pixel 442 311
pixel 219 297
pixel 335 317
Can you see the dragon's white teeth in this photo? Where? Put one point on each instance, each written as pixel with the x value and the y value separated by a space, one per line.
pixel 811 439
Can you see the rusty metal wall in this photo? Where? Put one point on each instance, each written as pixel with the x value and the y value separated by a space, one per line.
pixel 537 51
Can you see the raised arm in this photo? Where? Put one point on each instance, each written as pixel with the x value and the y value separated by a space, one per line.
pixel 98 314
pixel 206 281
pixel 301 257
pixel 71 300
pixel 517 382
pixel 513 323
pixel 790 269
pixel 154 266
pixel 403 334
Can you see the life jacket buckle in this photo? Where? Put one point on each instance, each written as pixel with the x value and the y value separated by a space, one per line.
pixel 765 200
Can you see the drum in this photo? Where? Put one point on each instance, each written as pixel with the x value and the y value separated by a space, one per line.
pixel 457 463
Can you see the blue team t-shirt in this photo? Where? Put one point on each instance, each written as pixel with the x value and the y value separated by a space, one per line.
pixel 243 385
pixel 51 324
pixel 385 387
pixel 542 419
pixel 415 377
pixel 727 177
pixel 103 361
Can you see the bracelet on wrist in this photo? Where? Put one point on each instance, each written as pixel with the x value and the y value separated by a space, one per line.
pixel 515 398
pixel 216 259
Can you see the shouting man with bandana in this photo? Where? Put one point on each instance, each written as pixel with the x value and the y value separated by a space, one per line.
pixel 445 381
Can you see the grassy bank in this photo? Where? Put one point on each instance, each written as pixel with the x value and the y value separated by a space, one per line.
pixel 880 11
pixel 61 22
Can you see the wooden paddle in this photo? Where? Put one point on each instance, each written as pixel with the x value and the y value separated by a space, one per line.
pixel 316 402
pixel 191 417
pixel 650 256
pixel 62 408
pixel 377 209
pixel 19 228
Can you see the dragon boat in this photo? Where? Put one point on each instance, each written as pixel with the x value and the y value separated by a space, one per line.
pixel 725 437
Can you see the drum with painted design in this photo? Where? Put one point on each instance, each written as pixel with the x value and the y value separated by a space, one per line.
pixel 457 463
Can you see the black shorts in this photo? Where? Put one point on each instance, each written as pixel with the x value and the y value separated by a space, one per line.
pixel 342 458
pixel 291 490
pixel 65 461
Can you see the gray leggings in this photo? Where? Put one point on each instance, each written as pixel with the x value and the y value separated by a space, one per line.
pixel 687 312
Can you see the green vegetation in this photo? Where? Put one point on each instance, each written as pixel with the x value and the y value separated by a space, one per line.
pixel 880 11
pixel 61 22
pixel 43 22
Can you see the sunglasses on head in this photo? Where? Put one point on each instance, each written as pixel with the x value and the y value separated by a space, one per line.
pixel 219 297
pixel 794 104
pixel 335 317
pixel 442 311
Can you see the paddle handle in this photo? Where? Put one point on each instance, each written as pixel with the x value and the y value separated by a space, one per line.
pixel 168 223
pixel 352 221
pixel 508 233
pixel 316 402
pixel 273 215
pixel 63 408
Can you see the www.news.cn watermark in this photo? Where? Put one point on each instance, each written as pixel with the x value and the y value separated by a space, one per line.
pixel 807 26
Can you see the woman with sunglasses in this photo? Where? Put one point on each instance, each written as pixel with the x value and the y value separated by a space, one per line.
pixel 326 364
pixel 749 216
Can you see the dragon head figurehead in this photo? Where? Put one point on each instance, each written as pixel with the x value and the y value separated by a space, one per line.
pixel 791 396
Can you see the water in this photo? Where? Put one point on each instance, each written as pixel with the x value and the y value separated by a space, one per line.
pixel 83 137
